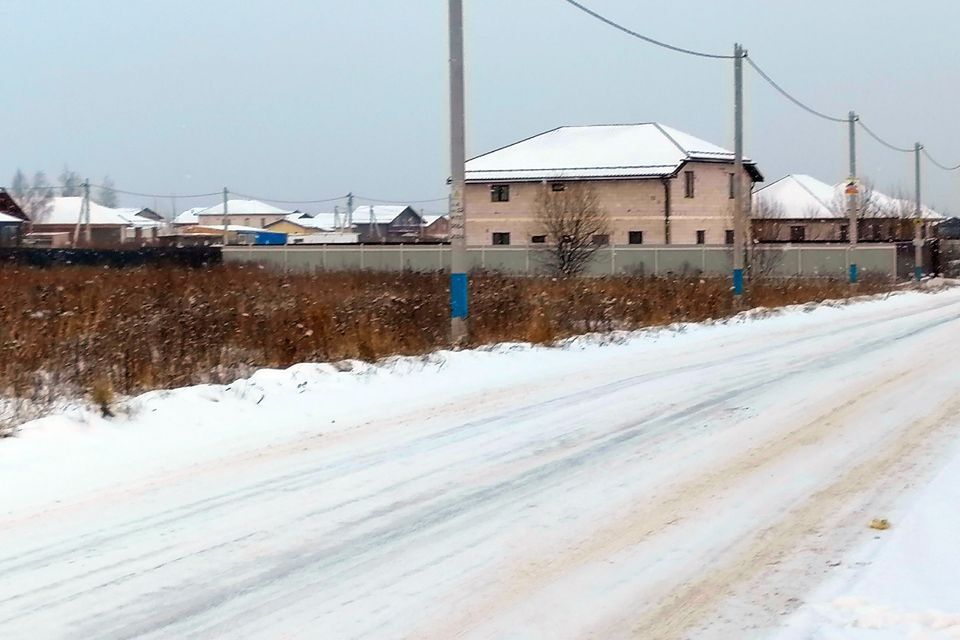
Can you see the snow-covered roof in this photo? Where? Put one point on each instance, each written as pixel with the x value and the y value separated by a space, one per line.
pixel 6 218
pixel 318 221
pixel 230 227
pixel 796 197
pixel 600 151
pixel 802 197
pixel 189 216
pixel 244 207
pixel 429 219
pixel 66 210
pixel 382 213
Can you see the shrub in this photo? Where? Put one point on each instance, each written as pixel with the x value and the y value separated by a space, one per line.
pixel 68 331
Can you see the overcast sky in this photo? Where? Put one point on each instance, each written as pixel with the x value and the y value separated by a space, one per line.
pixel 304 99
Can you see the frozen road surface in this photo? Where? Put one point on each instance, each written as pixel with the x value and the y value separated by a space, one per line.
pixel 696 483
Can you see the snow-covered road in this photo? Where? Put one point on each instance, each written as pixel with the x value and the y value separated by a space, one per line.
pixel 697 483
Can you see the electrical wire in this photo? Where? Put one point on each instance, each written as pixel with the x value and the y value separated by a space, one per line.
pixel 937 164
pixel 155 195
pixel 630 32
pixel 318 201
pixel 882 141
pixel 402 200
pixel 788 96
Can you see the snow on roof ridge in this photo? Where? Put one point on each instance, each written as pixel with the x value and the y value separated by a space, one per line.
pixel 598 151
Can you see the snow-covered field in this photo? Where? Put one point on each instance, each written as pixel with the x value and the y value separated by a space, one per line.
pixel 713 481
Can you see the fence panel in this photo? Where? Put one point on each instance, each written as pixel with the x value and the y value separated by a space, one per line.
pixel 774 260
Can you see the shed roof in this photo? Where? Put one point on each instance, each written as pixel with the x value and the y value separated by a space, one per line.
pixel 646 150
pixel 7 219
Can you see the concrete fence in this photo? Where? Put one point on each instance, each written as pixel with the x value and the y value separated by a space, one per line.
pixel 776 260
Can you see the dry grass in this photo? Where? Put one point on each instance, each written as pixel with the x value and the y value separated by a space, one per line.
pixel 85 331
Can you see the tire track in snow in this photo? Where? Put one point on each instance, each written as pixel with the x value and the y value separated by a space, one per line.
pixel 638 525
pixel 367 550
pixel 436 513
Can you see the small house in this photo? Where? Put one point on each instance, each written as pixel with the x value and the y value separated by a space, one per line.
pixel 245 213
pixel 12 220
pixel 436 227
pixel 387 223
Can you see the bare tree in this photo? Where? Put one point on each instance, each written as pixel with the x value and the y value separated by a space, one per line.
pixel 106 195
pixel 33 197
pixel 763 260
pixel 870 203
pixel 575 224
pixel 767 220
pixel 71 184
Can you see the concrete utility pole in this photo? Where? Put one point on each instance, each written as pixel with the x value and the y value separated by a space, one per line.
pixel 739 226
pixel 458 159
pixel 852 199
pixel 86 212
pixel 350 209
pixel 226 217
pixel 918 217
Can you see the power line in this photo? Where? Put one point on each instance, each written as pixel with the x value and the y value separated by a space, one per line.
pixel 789 97
pixel 402 200
pixel 318 201
pixel 630 32
pixel 882 141
pixel 937 164
pixel 156 195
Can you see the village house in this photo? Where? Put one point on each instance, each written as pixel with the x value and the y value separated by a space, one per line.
pixel 316 228
pixel 245 213
pixel 107 225
pixel 387 223
pixel 12 220
pixel 656 184
pixel 800 208
pixel 436 227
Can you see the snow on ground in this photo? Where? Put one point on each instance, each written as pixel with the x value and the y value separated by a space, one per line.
pixel 700 481
pixel 904 583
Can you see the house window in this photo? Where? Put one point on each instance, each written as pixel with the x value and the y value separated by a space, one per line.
pixel 538 239
pixel 600 240
pixel 688 184
pixel 728 236
pixel 731 185
pixel 798 233
pixel 501 238
pixel 701 236
pixel 635 237
pixel 499 193
pixel 263 222
pixel 246 222
pixel 558 186
pixel 844 233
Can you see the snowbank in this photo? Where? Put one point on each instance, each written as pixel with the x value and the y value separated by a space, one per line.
pixel 904 582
